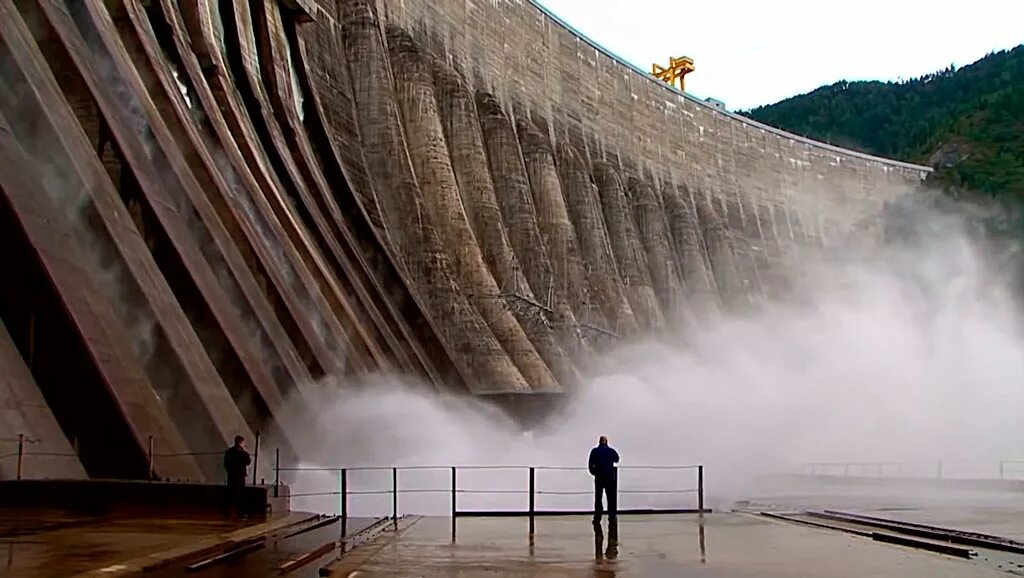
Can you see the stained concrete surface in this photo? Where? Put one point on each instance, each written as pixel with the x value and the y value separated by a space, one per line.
pixel 40 543
pixel 722 545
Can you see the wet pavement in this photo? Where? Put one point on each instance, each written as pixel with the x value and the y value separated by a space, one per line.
pixel 47 543
pixel 277 551
pixel 1000 513
pixel 733 545
pixel 737 543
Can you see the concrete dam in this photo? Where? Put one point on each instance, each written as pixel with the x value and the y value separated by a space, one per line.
pixel 215 211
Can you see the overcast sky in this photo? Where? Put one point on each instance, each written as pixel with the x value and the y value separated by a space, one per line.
pixel 753 52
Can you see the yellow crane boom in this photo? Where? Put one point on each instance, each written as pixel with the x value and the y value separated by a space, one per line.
pixel 677 69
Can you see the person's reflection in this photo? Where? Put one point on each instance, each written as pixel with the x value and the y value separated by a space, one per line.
pixel 613 540
pixel 612 552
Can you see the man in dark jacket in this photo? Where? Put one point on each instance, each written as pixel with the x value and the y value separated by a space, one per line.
pixel 602 466
pixel 236 460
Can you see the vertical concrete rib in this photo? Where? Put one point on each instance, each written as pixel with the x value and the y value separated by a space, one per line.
pixel 23 411
pixel 627 248
pixel 687 239
pixel 555 227
pixel 172 192
pixel 175 359
pixel 584 209
pixel 429 153
pixel 469 161
pixel 416 240
pixel 722 254
pixel 652 228
pixel 512 188
pixel 256 64
pixel 331 124
pixel 108 341
pixel 227 260
pixel 339 328
pixel 250 192
pixel 298 107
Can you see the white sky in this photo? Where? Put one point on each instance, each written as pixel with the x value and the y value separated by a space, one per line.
pixel 753 52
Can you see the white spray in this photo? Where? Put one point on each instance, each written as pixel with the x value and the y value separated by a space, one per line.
pixel 907 354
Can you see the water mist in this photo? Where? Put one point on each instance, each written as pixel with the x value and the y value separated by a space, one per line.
pixel 909 352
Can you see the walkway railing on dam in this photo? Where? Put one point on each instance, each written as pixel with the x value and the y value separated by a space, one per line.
pixel 492 491
pixel 934 469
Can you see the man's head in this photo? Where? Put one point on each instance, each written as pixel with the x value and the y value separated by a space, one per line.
pixel 603 440
pixel 240 441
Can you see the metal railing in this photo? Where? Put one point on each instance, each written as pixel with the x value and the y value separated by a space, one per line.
pixel 456 490
pixel 879 469
pixel 981 469
pixel 22 452
pixel 1010 467
pixel 153 456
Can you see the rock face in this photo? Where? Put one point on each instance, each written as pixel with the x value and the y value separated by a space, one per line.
pixel 214 210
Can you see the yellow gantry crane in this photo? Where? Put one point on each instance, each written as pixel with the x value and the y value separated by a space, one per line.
pixel 677 69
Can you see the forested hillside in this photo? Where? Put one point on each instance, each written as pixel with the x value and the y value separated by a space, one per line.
pixel 967 122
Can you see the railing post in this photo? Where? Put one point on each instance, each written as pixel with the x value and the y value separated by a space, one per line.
pixel 21 454
pixel 939 472
pixel 846 470
pixel 394 494
pixel 1001 469
pixel 533 495
pixel 455 511
pixel 277 471
pixel 255 457
pixel 700 490
pixel 152 459
pixel 343 500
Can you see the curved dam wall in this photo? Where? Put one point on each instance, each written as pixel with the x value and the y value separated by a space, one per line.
pixel 758 177
pixel 214 212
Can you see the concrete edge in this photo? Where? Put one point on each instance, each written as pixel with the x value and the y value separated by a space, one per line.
pixel 360 553
pixel 138 566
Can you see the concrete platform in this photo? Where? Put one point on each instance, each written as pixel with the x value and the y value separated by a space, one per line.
pixel 37 543
pixel 720 545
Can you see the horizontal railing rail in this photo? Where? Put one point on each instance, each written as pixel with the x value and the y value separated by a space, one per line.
pixel 956 468
pixel 879 468
pixel 456 488
pixel 152 455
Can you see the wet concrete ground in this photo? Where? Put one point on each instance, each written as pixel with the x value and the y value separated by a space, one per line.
pixel 268 560
pixel 38 543
pixel 730 545
pixel 47 543
pixel 1000 513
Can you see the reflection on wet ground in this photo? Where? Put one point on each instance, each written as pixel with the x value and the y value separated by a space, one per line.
pixel 715 546
pixel 36 543
pixel 40 543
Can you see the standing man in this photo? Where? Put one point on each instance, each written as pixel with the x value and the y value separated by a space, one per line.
pixel 236 459
pixel 602 466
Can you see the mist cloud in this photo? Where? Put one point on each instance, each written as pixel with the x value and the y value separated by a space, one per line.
pixel 907 352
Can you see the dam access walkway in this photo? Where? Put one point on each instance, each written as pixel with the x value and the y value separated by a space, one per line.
pixel 735 545
pixel 718 545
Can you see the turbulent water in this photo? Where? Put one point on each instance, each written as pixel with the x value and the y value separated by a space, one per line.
pixel 908 353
